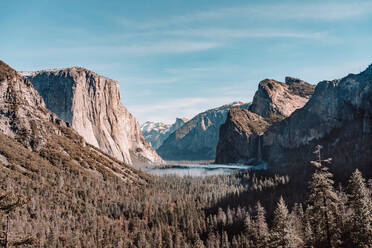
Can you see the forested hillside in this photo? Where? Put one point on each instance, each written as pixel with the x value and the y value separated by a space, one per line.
pixel 63 208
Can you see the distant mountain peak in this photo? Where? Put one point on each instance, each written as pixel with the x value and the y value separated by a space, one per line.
pixel 157 132
pixel 197 138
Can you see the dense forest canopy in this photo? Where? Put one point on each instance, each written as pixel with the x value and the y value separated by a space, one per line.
pixel 248 209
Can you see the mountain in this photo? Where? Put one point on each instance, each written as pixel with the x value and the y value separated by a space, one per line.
pixel 274 98
pixel 338 116
pixel 157 132
pixel 62 184
pixel 197 139
pixel 35 140
pixel 239 140
pixel 91 104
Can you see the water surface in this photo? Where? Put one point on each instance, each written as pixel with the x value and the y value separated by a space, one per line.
pixel 199 169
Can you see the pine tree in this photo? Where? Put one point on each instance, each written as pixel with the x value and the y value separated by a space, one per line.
pixel 323 205
pixel 308 233
pixel 234 243
pixel 211 241
pixel 141 241
pixel 360 203
pixel 225 240
pixel 283 232
pixel 261 230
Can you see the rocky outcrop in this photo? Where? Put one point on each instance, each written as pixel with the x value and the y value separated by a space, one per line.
pixel 91 104
pixel 338 116
pixel 34 141
pixel 197 139
pixel 275 98
pixel 157 132
pixel 22 110
pixel 240 136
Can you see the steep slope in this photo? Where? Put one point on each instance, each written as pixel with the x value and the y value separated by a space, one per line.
pixel 25 122
pixel 338 116
pixel 157 132
pixel 239 140
pixel 91 104
pixel 68 188
pixel 197 139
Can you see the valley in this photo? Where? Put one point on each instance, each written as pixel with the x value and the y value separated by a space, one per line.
pixel 185 124
pixel 61 189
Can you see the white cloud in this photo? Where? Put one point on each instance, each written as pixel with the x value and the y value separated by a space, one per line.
pixel 140 49
pixel 167 47
pixel 225 33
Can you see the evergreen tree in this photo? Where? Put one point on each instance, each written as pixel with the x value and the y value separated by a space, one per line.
pixel 234 243
pixel 283 232
pixel 308 233
pixel 323 205
pixel 225 240
pixel 261 230
pixel 360 203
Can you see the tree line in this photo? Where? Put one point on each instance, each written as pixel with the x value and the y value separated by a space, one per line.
pixel 248 209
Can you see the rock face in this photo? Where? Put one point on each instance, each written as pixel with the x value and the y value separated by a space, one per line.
pixel 91 104
pixel 157 132
pixel 338 116
pixel 197 139
pixel 22 109
pixel 33 139
pixel 239 140
pixel 239 137
pixel 274 98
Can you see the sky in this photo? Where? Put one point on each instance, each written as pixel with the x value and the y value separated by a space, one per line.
pixel 177 58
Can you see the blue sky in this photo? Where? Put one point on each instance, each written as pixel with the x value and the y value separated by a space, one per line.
pixel 178 58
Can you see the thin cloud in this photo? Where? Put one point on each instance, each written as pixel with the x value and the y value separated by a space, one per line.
pixel 150 48
pixel 149 81
pixel 168 47
pixel 224 33
pixel 273 12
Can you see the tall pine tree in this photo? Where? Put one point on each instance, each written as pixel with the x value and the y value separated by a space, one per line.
pixel 260 228
pixel 361 218
pixel 283 232
pixel 323 205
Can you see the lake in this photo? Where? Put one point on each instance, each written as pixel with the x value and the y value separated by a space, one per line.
pixel 201 169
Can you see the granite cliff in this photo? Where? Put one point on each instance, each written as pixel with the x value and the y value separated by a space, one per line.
pixel 197 139
pixel 239 140
pixel 34 142
pixel 91 104
pixel 338 116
